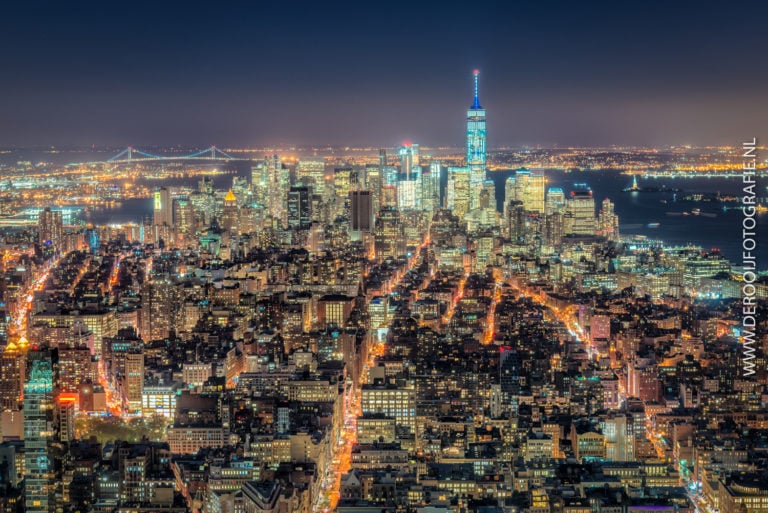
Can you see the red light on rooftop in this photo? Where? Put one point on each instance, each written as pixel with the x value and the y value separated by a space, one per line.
pixel 67 398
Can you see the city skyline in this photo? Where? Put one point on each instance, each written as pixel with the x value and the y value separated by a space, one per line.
pixel 586 75
pixel 418 315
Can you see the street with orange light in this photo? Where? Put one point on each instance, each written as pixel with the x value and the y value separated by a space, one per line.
pixel 328 496
pixel 567 316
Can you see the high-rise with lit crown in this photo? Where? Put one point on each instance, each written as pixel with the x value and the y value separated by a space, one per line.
pixel 476 136
pixel 38 419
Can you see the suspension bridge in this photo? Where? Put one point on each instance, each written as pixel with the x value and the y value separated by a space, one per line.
pixel 131 154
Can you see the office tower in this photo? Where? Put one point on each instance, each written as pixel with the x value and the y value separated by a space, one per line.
pixel 428 194
pixel 158 308
pixel 122 362
pixel 510 371
pixel 458 191
pixel 125 367
pixel 361 214
pixel 485 215
pixel 12 371
pixel 476 141
pixel 311 171
pixel 514 220
pixel 484 245
pixel 608 221
pixel 163 212
pixel 436 169
pixel 205 185
pixel 406 194
pixel 260 183
pixel 391 176
pixel 241 190
pixel 528 189
pixel 250 219
pixel 374 179
pixel 38 432
pixel 184 214
pixel 510 195
pixel 204 206
pixel 342 184
pixel 4 318
pixel 409 159
pixel 618 429
pixel 391 402
pixel 66 404
pixel 389 242
pixel 230 214
pixel 488 195
pixel 299 207
pixel 555 201
pixel 50 228
pixel 75 368
pixel 554 228
pixel 382 158
pixel 133 380
pixel 277 193
pixel 319 209
pixel 388 196
pixel 581 211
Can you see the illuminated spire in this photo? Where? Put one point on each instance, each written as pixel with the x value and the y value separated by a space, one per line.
pixel 230 197
pixel 476 103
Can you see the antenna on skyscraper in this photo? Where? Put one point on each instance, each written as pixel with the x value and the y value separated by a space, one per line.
pixel 476 104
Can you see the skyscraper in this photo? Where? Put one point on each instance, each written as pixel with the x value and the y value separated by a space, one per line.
pixel 230 214
pixel 343 178
pixel 299 207
pixel 608 221
pixel 581 211
pixel 389 241
pixel 408 154
pixel 279 182
pixel 260 182
pixel 12 370
pixel 458 192
pixel 373 182
pixel 476 136
pixel 311 171
pixel 163 208
pixel 555 201
pixel 437 176
pixel 38 431
pixel 428 193
pixel 527 188
pixel 50 227
pixel 184 214
pixel 361 218
pixel 158 304
pixel 133 380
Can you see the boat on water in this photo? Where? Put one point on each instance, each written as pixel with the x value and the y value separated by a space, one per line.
pixel 696 211
pixel 653 225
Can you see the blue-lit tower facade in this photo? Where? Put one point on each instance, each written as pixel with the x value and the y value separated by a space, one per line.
pixel 38 432
pixel 476 137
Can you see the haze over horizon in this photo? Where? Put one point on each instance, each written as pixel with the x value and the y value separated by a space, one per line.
pixel 595 74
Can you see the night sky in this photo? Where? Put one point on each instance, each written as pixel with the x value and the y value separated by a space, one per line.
pixel 376 73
